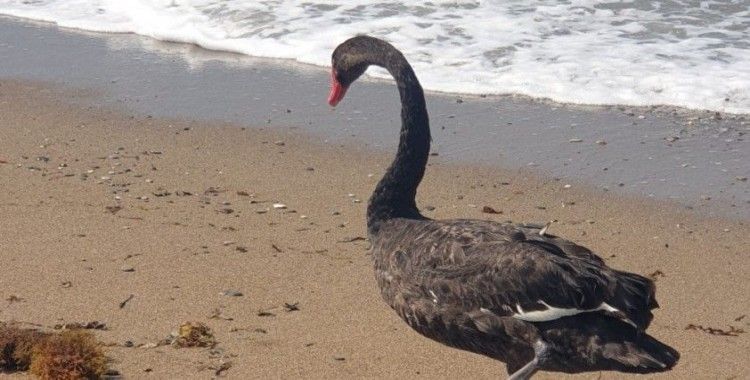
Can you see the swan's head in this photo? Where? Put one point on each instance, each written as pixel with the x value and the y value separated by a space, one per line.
pixel 349 61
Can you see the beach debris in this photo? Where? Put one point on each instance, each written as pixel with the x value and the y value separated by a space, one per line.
pixel 265 313
pixel 217 313
pixel 279 206
pixel 39 352
pixel 490 210
pixel 232 293
pixel 575 140
pixel 656 274
pixel 83 356
pixel 243 193
pixel 352 239
pixel 601 142
pixel 275 248
pixel 13 298
pixel 192 334
pixel 741 317
pixel 66 284
pixel 279 143
pixel 225 210
pixel 733 331
pixel 218 371
pixel 127 268
pixel 291 306
pixel 93 325
pixel 125 302
pixel 3 161
pixel 339 358
pixel 741 178
pixel 241 249
pixel 228 242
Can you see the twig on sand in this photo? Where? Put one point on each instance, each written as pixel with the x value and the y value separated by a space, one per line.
pixel 123 303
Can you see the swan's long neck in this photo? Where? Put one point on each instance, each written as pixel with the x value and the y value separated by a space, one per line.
pixel 395 194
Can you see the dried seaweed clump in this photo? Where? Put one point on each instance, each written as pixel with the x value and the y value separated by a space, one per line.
pixel 16 347
pixel 69 355
pixel 193 334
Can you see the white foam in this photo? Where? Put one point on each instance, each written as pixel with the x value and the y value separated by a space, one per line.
pixel 585 51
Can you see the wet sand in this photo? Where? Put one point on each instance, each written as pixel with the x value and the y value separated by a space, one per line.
pixel 694 158
pixel 100 204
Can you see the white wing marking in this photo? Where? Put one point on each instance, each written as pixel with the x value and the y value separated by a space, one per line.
pixel 552 313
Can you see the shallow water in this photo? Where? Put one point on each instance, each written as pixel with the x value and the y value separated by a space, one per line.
pixel 694 158
pixel 687 53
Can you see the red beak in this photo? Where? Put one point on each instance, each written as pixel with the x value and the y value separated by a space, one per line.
pixel 337 90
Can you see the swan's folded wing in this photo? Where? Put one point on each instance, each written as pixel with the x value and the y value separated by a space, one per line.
pixel 528 283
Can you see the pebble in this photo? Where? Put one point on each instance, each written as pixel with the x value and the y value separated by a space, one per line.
pixel 279 206
pixel 127 268
pixel 280 143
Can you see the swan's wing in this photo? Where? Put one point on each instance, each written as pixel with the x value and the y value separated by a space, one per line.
pixel 513 271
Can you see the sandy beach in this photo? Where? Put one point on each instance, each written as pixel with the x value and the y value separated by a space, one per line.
pixel 142 221
pixel 99 205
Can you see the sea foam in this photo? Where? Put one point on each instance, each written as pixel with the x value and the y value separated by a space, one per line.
pixel 692 54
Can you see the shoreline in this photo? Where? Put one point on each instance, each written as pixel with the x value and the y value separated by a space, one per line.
pixel 187 48
pixel 694 158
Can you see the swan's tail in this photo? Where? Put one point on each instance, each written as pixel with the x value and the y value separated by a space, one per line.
pixel 645 355
pixel 594 342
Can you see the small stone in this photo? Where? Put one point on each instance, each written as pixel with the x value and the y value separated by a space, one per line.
pixel 280 143
pixel 279 206
pixel 127 268
pixel 741 178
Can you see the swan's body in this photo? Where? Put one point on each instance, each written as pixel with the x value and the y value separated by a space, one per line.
pixel 511 292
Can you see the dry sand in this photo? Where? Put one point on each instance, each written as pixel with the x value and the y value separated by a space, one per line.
pixel 187 209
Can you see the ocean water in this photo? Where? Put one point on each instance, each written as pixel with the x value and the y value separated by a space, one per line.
pixel 687 53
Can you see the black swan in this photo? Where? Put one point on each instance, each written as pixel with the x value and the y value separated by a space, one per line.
pixel 511 292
